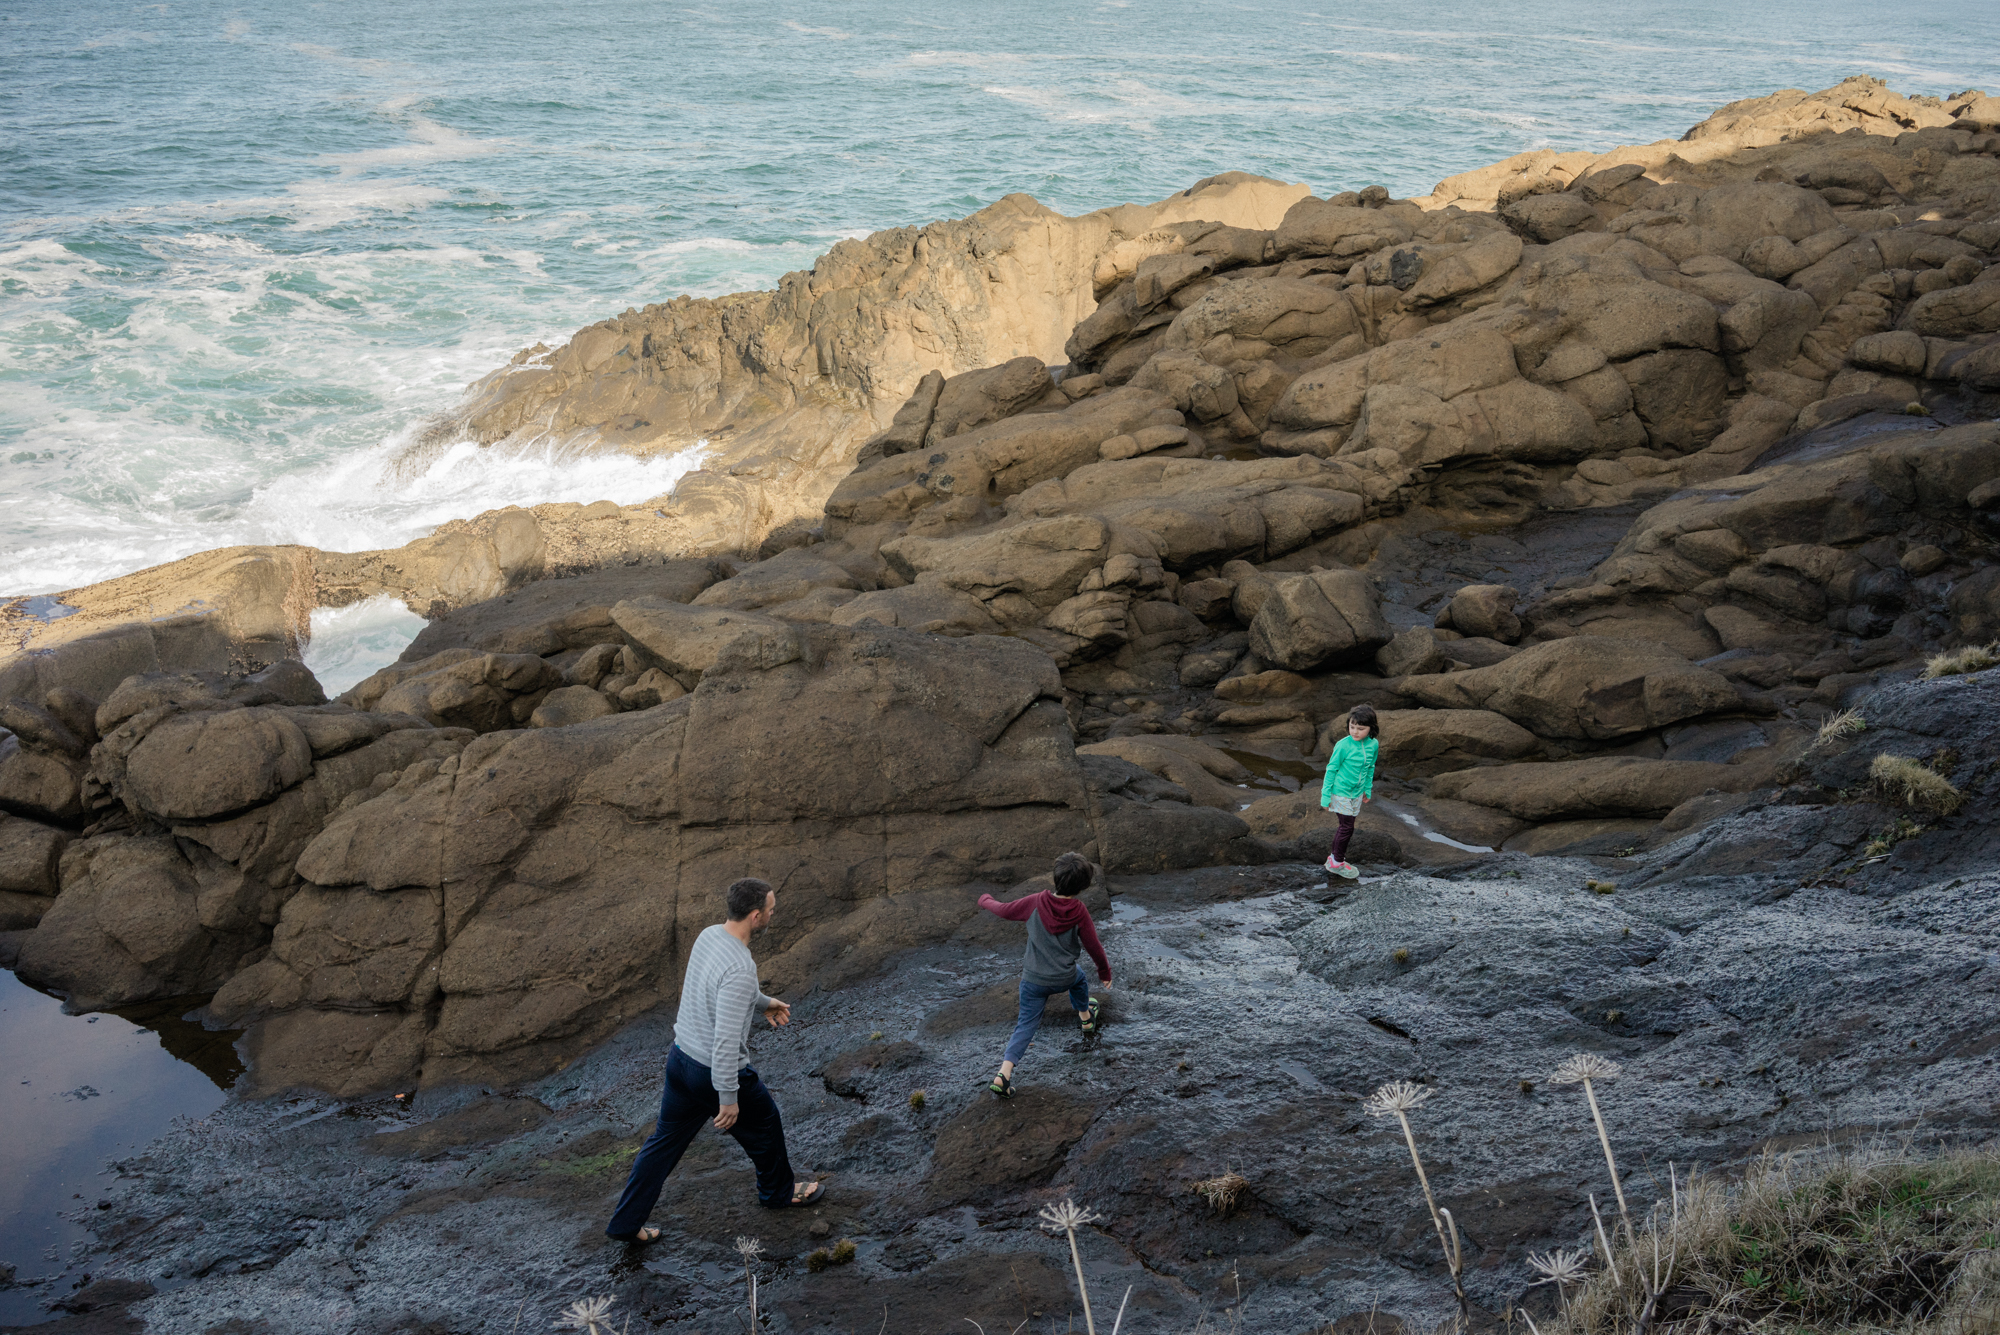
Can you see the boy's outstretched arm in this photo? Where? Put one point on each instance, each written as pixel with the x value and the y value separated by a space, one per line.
pixel 1087 933
pixel 1015 911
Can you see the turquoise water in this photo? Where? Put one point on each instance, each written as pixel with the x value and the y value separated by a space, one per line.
pixel 245 251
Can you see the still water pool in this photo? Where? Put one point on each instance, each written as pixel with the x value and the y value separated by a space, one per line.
pixel 76 1091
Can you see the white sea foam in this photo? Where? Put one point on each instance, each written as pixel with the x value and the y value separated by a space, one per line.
pixel 832 34
pixel 354 642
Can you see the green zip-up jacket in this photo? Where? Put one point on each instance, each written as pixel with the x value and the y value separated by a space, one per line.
pixel 1350 770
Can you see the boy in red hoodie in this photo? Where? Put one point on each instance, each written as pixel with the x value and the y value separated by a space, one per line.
pixel 1059 929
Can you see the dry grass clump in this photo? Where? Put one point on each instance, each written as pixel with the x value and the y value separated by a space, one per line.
pixel 1956 662
pixel 1874 1240
pixel 1836 728
pixel 1914 784
pixel 840 1253
pixel 1221 1193
pixel 1898 830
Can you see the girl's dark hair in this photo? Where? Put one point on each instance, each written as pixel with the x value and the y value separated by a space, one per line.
pixel 1073 875
pixel 1366 717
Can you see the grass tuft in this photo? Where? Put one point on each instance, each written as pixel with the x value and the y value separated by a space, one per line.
pixel 1870 1239
pixel 1835 729
pixel 1900 829
pixel 1911 783
pixel 1956 662
pixel 843 1251
pixel 917 1100
pixel 1400 954
pixel 1221 1193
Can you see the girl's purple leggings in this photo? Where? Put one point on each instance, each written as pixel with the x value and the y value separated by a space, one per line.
pixel 1341 836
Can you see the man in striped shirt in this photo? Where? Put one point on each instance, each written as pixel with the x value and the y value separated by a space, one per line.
pixel 709 1076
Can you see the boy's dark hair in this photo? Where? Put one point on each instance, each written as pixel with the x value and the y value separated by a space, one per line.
pixel 746 897
pixel 1073 875
pixel 1365 715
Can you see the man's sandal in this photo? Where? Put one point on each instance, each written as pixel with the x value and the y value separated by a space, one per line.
pixel 807 1193
pixel 1001 1088
pixel 639 1239
pixel 1089 1022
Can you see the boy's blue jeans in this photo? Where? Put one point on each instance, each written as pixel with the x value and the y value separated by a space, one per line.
pixel 1033 997
pixel 687 1104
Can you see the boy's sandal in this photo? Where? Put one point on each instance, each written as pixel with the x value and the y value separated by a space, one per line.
pixel 1002 1087
pixel 1089 1023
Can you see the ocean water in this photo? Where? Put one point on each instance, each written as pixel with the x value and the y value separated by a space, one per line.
pixel 245 251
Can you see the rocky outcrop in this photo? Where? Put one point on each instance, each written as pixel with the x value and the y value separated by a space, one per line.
pixel 1603 496
pixel 407 884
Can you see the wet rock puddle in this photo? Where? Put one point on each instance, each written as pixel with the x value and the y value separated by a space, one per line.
pixel 77 1090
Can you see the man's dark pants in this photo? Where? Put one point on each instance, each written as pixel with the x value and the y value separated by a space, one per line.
pixel 688 1101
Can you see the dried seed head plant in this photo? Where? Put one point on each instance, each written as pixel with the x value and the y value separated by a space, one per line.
pixel 1397 1099
pixel 1561 1267
pixel 1583 1069
pixel 750 1249
pixel 589 1315
pixel 1066 1219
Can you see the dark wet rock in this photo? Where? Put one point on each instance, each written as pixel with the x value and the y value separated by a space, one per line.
pixel 101 1308
pixel 481 1123
pixel 1254 1008
pixel 849 1074
pixel 1003 1146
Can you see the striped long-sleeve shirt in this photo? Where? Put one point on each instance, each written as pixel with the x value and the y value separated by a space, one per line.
pixel 719 999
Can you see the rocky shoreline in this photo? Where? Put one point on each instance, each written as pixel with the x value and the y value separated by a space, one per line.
pixel 1612 481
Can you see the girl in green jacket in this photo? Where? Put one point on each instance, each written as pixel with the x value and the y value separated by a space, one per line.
pixel 1350 781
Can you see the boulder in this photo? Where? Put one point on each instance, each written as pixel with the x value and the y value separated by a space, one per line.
pixel 688 641
pixel 127 927
pixel 40 785
pixel 1319 620
pixel 927 606
pixel 1412 652
pixel 460 688
pixel 1209 776
pixel 1584 687
pixel 1434 740
pixel 1599 786
pixel 784 578
pixel 1955 312
pixel 570 860
pixel 1484 610
pixel 574 704
pixel 207 764
pixel 30 855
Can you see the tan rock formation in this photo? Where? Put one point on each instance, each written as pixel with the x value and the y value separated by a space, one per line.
pixel 1352 450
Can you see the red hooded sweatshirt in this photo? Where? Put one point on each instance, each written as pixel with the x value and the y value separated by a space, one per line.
pixel 1065 929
